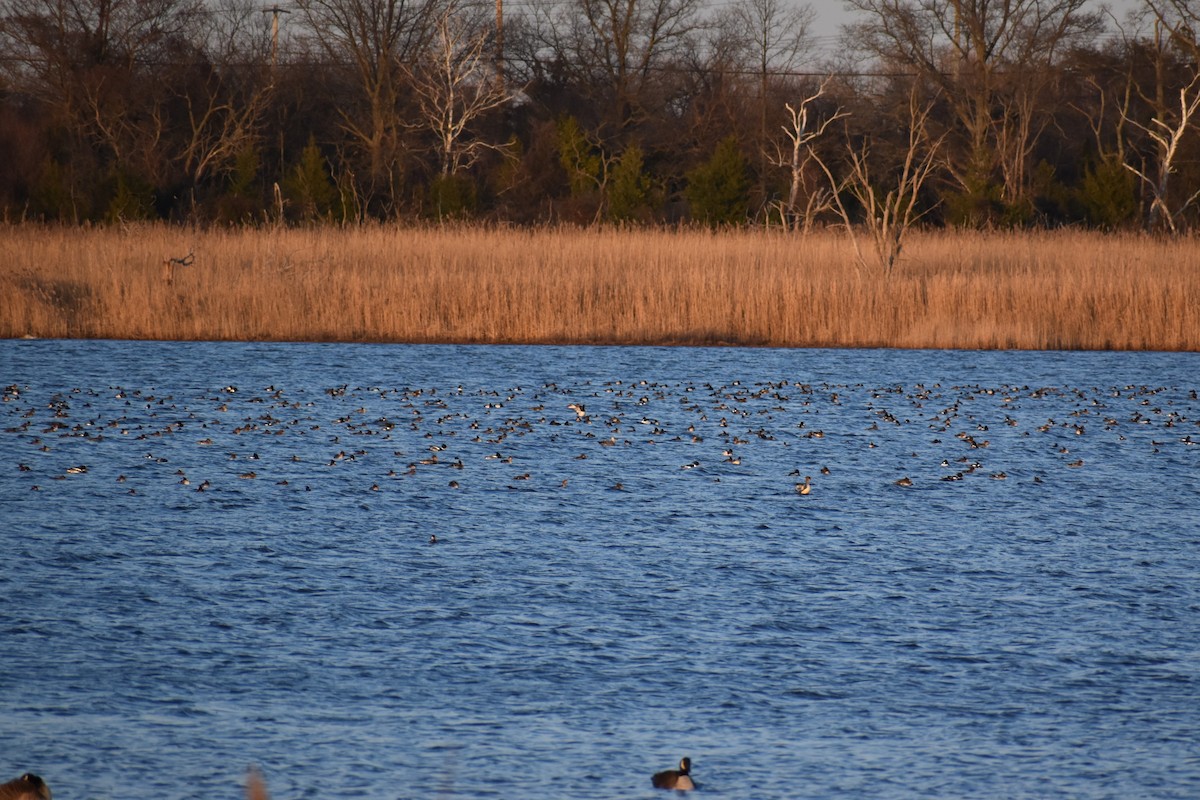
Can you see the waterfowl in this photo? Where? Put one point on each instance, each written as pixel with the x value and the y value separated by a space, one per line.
pixel 678 779
pixel 804 488
pixel 905 481
pixel 256 787
pixel 26 787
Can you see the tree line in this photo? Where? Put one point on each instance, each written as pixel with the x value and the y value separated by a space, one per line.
pixel 945 112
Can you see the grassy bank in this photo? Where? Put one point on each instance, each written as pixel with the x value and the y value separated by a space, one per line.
pixel 1052 290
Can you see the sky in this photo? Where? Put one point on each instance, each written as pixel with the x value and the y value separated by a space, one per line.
pixel 832 15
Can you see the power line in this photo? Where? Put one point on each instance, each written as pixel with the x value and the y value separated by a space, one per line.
pixel 306 62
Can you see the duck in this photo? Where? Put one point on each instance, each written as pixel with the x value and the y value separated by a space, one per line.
pixel 26 787
pixel 678 779
pixel 256 787
pixel 804 488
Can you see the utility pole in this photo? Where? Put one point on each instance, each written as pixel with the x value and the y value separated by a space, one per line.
pixel 500 43
pixel 275 11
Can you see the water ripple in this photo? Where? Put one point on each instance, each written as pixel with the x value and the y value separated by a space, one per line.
pixel 220 554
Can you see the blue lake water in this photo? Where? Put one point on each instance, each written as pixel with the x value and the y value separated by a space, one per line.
pixel 218 554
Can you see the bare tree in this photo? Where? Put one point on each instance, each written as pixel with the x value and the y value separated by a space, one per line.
pixel 772 35
pixel 1181 18
pixel 373 39
pixel 616 48
pixel 1167 131
pixel 92 62
pixel 220 107
pixel 890 208
pixel 219 126
pixel 1110 144
pixel 1173 100
pixel 992 61
pixel 456 85
pixel 801 132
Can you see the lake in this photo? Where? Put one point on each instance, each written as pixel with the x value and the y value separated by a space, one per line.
pixel 218 555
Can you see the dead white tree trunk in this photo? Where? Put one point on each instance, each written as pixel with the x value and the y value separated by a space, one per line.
pixel 1167 134
pixel 457 88
pixel 800 135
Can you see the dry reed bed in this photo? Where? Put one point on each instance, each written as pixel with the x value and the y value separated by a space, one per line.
pixel 1039 290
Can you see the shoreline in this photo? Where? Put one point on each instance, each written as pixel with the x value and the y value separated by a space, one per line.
pixel 663 345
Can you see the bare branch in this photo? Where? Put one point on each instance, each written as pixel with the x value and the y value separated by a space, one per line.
pixel 801 134
pixel 456 90
pixel 889 215
pixel 1167 134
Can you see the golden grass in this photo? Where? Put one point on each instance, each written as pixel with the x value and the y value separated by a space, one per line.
pixel 1027 290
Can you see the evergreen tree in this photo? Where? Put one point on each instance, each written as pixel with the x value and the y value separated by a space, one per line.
pixel 584 166
pixel 630 195
pixel 1108 194
pixel 309 188
pixel 718 191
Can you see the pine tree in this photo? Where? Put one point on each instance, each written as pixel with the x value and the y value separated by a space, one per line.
pixel 718 191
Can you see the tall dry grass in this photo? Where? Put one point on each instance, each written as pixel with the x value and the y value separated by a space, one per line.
pixel 1030 290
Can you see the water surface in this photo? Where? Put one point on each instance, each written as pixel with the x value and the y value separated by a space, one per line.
pixel 243 573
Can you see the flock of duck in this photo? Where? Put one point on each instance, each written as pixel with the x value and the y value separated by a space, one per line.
pixel 143 440
pixel 216 440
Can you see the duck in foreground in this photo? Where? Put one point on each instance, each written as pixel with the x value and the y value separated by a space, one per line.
pixel 26 787
pixel 679 779
pixel 256 787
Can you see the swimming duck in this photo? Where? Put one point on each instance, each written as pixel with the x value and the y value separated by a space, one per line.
pixel 26 787
pixel 256 787
pixel 804 488
pixel 678 779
